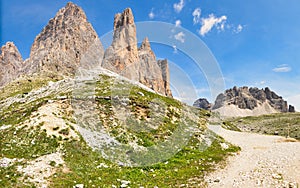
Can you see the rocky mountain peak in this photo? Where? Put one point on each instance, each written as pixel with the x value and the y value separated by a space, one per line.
pixel 10 63
pixel 145 44
pixel 123 51
pixel 123 19
pixel 125 32
pixel 202 103
pixel 63 42
pixel 10 53
pixel 73 10
pixel 140 64
pixel 146 48
pixel 250 98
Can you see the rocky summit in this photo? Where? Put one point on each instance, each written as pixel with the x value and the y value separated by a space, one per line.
pixel 10 63
pixel 203 104
pixel 140 64
pixel 261 101
pixel 63 43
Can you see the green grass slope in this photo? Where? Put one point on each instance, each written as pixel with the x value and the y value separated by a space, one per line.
pixel 35 126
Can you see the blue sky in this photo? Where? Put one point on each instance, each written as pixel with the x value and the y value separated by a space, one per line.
pixel 256 43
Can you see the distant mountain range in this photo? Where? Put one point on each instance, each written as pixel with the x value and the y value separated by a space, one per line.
pixel 246 101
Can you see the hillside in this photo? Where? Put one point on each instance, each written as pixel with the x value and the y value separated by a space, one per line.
pixel 41 142
pixel 283 124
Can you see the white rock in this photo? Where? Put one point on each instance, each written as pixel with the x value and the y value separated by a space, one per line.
pixel 78 186
pixel 224 146
pixel 140 93
pixel 102 165
pixel 125 182
pixel 276 176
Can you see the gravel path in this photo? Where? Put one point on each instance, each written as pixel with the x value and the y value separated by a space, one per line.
pixel 264 161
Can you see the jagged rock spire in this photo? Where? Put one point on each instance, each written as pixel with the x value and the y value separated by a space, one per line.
pixel 63 43
pixel 146 48
pixel 140 64
pixel 123 19
pixel 145 44
pixel 123 51
pixel 10 63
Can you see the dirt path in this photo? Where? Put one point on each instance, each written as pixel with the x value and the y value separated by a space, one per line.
pixel 264 161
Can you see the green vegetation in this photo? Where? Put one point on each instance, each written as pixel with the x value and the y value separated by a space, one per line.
pixel 19 112
pixel 152 119
pixel 9 177
pixel 187 167
pixel 25 142
pixel 25 85
pixel 228 125
pixel 283 124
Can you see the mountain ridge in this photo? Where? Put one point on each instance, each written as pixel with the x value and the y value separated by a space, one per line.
pixel 246 101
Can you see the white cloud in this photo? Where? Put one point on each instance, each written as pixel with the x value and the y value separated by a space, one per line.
pixel 221 26
pixel 180 37
pixel 177 23
pixel 151 14
pixel 196 14
pixel 282 68
pixel 175 51
pixel 210 22
pixel 262 82
pixel 178 6
pixel 238 29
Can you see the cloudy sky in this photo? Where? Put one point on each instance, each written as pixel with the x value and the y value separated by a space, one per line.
pixel 255 43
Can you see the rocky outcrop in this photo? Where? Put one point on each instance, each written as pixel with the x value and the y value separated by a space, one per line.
pixel 251 98
pixel 203 104
pixel 291 108
pixel 122 55
pixel 164 66
pixel 63 43
pixel 10 63
pixel 125 58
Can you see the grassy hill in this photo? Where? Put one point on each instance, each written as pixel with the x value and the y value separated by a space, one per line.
pixel 41 142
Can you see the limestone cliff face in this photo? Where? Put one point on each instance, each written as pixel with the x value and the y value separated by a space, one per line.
pixel 60 46
pixel 140 64
pixel 164 66
pixel 10 63
pixel 250 98
pixel 122 55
